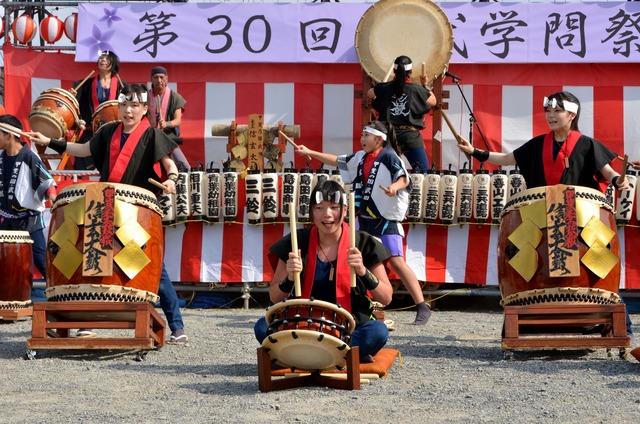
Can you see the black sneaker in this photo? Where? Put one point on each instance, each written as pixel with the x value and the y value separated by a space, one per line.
pixel 423 314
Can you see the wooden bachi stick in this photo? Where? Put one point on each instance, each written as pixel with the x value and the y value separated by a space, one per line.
pixel 293 224
pixel 77 87
pixel 352 231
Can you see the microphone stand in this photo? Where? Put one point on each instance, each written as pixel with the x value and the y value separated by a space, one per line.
pixel 472 117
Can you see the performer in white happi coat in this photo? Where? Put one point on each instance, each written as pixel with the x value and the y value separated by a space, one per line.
pixel 380 182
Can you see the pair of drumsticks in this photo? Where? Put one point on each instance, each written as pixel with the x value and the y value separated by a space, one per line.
pixel 293 224
pixel 14 131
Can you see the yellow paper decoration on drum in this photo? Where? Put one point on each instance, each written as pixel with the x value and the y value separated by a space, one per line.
pixel 68 258
pixel 535 212
pixel 525 262
pixel 597 231
pixel 526 235
pixel 131 259
pixel 68 231
pixel 125 213
pixel 74 211
pixel 585 210
pixel 133 232
pixel 599 259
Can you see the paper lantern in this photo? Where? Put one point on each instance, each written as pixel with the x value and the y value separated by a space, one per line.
pixel 23 29
pixel 71 27
pixel 51 29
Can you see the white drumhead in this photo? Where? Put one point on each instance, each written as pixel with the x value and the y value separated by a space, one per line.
pixel 305 349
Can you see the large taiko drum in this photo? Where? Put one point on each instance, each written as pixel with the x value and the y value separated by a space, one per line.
pixel 541 230
pixel 106 113
pixel 308 334
pixel 55 112
pixel 416 28
pixel 105 244
pixel 15 263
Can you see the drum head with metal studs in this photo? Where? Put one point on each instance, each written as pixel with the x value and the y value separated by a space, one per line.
pixel 306 349
pixel 415 28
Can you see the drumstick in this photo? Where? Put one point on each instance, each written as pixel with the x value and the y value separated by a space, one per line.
pixel 294 247
pixel 352 231
pixel 156 183
pixel 453 130
pixel 388 74
pixel 120 81
pixel 14 130
pixel 286 137
pixel 625 163
pixel 77 87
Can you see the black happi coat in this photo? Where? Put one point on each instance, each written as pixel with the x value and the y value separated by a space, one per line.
pixel 585 162
pixel 153 145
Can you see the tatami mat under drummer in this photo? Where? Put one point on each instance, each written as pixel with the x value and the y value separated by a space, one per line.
pixel 381 364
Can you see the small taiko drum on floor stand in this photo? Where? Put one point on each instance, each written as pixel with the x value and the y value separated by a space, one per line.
pixel 15 263
pixel 55 112
pixel 105 244
pixel 558 245
pixel 106 113
pixel 308 334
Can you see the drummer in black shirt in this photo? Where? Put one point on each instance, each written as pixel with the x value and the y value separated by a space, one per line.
pixel 404 104
pixel 327 258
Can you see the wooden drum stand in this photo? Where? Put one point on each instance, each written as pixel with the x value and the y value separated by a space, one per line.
pixel 52 321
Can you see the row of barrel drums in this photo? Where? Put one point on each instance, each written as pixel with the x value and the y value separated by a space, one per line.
pixel 135 230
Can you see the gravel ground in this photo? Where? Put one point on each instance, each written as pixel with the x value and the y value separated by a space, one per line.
pixel 452 371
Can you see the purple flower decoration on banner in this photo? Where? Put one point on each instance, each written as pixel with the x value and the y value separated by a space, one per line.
pixel 98 41
pixel 110 16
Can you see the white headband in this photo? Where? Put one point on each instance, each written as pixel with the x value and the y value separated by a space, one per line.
pixel 407 66
pixel 132 97
pixel 374 131
pixel 336 197
pixel 566 104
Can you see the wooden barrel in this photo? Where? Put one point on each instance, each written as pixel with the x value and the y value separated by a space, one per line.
pixel 15 263
pixel 55 112
pixel 587 287
pixel 80 233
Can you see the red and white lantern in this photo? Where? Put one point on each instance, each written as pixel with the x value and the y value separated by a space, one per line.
pixel 24 29
pixel 71 27
pixel 51 29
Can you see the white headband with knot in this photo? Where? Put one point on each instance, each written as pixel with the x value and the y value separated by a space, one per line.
pixel 406 66
pixel 374 131
pixel 336 197
pixel 132 97
pixel 566 104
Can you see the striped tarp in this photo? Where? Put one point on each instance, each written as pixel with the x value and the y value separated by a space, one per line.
pixel 325 100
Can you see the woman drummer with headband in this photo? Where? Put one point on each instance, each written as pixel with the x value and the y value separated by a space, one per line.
pixel 380 179
pixel 404 104
pixel 325 259
pixel 561 156
pixel 131 152
pixel 106 85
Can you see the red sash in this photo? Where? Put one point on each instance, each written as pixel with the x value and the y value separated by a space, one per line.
pixel 119 159
pixel 164 105
pixel 553 169
pixel 343 280
pixel 113 87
